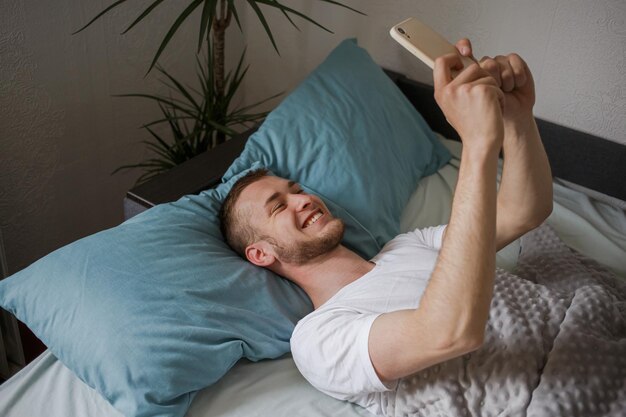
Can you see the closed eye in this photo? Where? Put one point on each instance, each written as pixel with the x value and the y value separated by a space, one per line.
pixel 277 207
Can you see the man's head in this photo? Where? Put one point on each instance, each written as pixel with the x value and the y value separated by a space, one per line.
pixel 267 219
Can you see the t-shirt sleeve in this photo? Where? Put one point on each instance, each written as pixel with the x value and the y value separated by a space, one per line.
pixel 330 349
pixel 431 237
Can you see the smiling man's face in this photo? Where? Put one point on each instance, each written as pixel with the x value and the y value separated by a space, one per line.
pixel 296 227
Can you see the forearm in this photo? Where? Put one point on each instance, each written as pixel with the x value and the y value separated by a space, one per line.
pixel 459 293
pixel 525 194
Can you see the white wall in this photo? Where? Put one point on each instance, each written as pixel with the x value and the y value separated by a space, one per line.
pixel 61 132
pixel 576 49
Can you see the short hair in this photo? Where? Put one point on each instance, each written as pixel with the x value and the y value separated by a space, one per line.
pixel 234 226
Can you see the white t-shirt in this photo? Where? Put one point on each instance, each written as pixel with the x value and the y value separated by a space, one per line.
pixel 330 345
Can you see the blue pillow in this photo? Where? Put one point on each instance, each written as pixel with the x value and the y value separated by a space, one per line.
pixel 350 135
pixel 151 311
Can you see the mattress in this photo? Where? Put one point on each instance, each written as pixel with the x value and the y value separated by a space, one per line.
pixel 46 388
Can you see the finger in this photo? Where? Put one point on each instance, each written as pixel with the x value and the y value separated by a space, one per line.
pixel 444 65
pixel 519 68
pixel 506 74
pixel 486 80
pixel 464 46
pixel 474 73
pixel 492 67
pixel 501 99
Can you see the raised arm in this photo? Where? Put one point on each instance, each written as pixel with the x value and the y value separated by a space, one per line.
pixel 454 308
pixel 525 195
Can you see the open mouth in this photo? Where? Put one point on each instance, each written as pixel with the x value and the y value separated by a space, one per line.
pixel 312 218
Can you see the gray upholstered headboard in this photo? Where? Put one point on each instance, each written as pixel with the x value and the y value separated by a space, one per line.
pixel 580 158
pixel 575 156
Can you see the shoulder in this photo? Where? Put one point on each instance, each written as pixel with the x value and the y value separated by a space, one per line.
pixel 324 325
pixel 427 237
pixel 330 349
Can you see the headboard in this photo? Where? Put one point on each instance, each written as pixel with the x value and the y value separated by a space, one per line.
pixel 581 158
pixel 575 156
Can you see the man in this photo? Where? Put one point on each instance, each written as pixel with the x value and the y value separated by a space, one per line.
pixel 425 298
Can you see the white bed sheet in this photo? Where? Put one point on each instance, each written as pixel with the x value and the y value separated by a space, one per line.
pixel 46 388
pixel 594 228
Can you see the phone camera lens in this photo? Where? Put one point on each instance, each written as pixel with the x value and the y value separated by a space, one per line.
pixel 401 31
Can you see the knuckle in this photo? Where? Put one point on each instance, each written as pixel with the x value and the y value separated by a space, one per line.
pixel 489 91
pixel 518 71
pixel 442 61
pixel 437 95
pixel 490 65
pixel 439 61
pixel 465 89
pixel 442 94
pixel 482 88
pixel 447 93
pixel 473 67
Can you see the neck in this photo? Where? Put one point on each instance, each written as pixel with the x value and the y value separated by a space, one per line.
pixel 324 276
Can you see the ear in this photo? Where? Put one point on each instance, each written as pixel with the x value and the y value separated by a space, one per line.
pixel 260 254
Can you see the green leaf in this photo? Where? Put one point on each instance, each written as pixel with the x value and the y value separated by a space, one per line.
pixel 158 164
pixel 232 86
pixel 344 6
pixel 159 121
pixel 259 13
pixel 233 9
pixel 258 103
pixel 169 102
pixel 158 138
pixel 223 128
pixel 290 21
pixel 180 88
pixel 284 8
pixel 157 149
pixel 117 3
pixel 173 30
pixel 208 13
pixel 144 14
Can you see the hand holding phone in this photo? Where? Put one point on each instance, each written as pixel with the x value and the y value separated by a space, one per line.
pixel 423 42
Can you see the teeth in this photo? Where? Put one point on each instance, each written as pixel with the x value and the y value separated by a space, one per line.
pixel 313 219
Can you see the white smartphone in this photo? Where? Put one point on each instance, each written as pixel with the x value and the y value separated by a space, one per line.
pixel 423 42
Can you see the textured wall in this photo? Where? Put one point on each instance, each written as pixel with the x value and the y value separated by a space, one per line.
pixel 576 49
pixel 61 132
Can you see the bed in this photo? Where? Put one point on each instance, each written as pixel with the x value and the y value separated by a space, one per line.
pixel 588 216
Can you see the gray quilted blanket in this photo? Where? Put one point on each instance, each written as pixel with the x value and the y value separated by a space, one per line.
pixel 555 345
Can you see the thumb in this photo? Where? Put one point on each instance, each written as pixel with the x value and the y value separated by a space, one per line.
pixel 464 46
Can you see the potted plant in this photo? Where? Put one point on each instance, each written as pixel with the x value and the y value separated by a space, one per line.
pixel 201 118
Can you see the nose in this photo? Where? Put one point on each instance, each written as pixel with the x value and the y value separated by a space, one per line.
pixel 301 201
